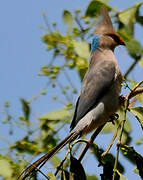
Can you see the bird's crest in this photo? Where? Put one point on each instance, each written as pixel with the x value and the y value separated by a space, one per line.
pixel 104 25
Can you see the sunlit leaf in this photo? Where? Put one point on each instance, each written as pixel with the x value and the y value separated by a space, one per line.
pixel 55 161
pixel 5 169
pixel 60 114
pixel 82 48
pixel 141 62
pixel 139 141
pixel 128 16
pixel 91 177
pixel 138 112
pixel 51 176
pixel 140 98
pixel 122 177
pixel 108 128
pixel 67 17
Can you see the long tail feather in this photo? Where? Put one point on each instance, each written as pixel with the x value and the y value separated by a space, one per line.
pixel 40 162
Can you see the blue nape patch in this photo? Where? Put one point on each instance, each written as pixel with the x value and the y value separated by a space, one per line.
pixel 95 43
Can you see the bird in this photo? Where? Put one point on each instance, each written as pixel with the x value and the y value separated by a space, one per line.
pixel 101 86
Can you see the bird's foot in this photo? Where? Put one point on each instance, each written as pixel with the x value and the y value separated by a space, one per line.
pixel 113 118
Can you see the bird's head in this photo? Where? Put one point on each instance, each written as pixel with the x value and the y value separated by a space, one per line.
pixel 105 34
pixel 106 41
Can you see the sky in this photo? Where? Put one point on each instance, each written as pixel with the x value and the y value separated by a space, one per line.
pixel 23 53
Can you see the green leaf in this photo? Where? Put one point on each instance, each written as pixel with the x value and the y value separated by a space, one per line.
pixel 51 176
pixel 136 157
pixel 141 62
pixel 60 114
pixel 94 7
pixel 81 72
pixel 82 48
pixel 5 169
pixel 7 104
pixel 138 112
pixel 25 108
pixel 127 126
pixel 91 177
pixel 67 17
pixel 134 48
pixel 26 145
pixel 55 161
pixel 109 158
pixel 122 177
pixel 109 127
pixel 140 98
pixel 140 19
pixel 126 33
pixel 139 141
pixel 128 16
pixel 77 169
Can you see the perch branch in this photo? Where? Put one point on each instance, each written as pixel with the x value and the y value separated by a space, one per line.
pixel 91 140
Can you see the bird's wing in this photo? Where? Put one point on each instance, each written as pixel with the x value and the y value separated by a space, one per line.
pixel 97 81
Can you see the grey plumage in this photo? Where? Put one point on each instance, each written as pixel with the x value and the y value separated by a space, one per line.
pixel 101 86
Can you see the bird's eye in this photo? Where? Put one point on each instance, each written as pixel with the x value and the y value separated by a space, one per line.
pixel 117 39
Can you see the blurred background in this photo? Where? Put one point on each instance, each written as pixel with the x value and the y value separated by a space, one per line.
pixel 25 55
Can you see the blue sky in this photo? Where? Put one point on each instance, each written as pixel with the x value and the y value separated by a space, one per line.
pixel 23 53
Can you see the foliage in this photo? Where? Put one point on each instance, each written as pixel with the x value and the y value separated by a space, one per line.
pixel 71 51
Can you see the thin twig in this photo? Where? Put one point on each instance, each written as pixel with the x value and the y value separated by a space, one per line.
pixel 68 151
pixel 46 21
pixel 42 173
pixel 118 148
pixel 112 141
pixel 130 68
pixel 91 140
pixel 136 92
pixel 62 88
pixel 62 162
pixel 69 79
pixel 80 26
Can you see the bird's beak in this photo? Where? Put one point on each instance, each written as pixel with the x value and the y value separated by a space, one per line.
pixel 122 41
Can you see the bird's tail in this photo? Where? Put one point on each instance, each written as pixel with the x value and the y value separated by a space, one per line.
pixel 40 162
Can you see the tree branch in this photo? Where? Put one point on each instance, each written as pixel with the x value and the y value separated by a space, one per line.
pixel 131 68
pixel 91 140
